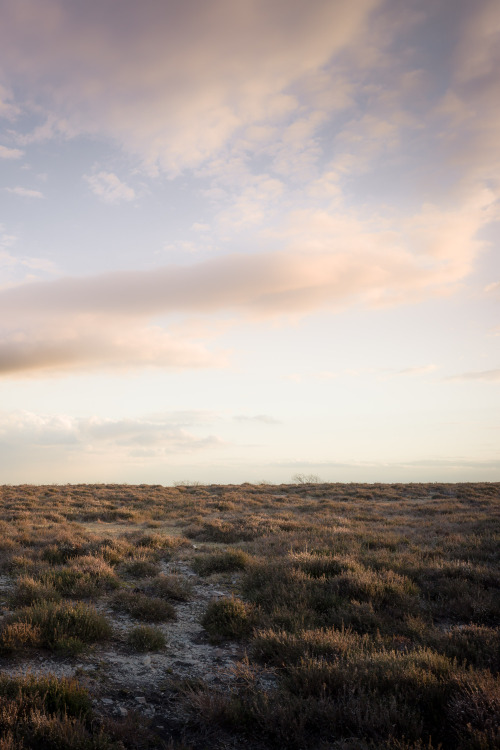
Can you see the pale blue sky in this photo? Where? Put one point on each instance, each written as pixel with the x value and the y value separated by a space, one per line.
pixel 240 241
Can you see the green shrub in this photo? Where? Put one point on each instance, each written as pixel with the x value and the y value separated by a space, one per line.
pixel 47 713
pixel 58 695
pixel 228 618
pixel 474 710
pixel 223 561
pixel 146 638
pixel 476 645
pixel 317 566
pixel 88 577
pixel 281 648
pixel 142 607
pixel 28 590
pixel 141 568
pixel 56 554
pixel 173 587
pixel 58 622
pixel 15 636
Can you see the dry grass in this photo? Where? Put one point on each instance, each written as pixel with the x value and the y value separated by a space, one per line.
pixel 375 608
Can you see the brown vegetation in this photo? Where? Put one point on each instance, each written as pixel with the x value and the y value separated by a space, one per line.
pixel 369 614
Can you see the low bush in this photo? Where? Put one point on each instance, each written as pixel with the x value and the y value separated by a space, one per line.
pixel 47 713
pixel 141 568
pixel 28 590
pixel 146 638
pixel 58 622
pixel 58 695
pixel 222 561
pixel 476 645
pixel 142 607
pixel 280 648
pixel 88 577
pixel 15 636
pixel 228 618
pixel 173 587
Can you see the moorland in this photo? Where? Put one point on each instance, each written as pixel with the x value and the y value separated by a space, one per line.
pixel 303 616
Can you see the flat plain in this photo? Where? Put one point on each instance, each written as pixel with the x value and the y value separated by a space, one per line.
pixel 305 616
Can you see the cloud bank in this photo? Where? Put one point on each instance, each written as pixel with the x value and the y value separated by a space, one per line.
pixel 330 262
pixel 276 110
pixel 157 80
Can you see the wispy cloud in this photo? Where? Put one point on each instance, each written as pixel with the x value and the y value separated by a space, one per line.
pixel 10 153
pixel 163 433
pixel 88 343
pixel 109 188
pixel 415 371
pixel 260 418
pixel 488 376
pixel 25 192
pixel 159 82
pixel 329 261
pixel 493 287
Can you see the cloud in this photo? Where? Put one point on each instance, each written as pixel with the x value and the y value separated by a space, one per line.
pixel 471 104
pixel 493 287
pixel 159 434
pixel 25 192
pixel 10 153
pixel 416 371
pixel 8 109
pixel 87 343
pixel 261 418
pixel 109 188
pixel 329 261
pixel 488 376
pixel 175 83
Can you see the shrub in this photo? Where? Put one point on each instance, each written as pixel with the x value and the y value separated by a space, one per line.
pixel 317 566
pixel 56 554
pixel 61 695
pixel 173 587
pixel 18 635
pixel 141 568
pixel 142 607
pixel 223 561
pixel 28 590
pixel 228 618
pixel 146 638
pixel 281 648
pixel 46 713
pixel 473 711
pixel 58 622
pixel 475 644
pixel 86 578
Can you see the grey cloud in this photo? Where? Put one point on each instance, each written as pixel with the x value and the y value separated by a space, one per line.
pixel 273 283
pixel 170 81
pixel 89 344
pixel 156 433
pixel 416 371
pixel 262 418
pixel 25 192
pixel 457 463
pixel 491 376
pixel 330 262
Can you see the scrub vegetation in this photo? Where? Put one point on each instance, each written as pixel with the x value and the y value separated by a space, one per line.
pixel 342 617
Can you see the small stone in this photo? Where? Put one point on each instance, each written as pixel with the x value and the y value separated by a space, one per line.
pixel 147 660
pixel 122 711
pixel 141 699
pixel 107 701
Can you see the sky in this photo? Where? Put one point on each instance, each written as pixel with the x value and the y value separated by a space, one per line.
pixel 241 241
